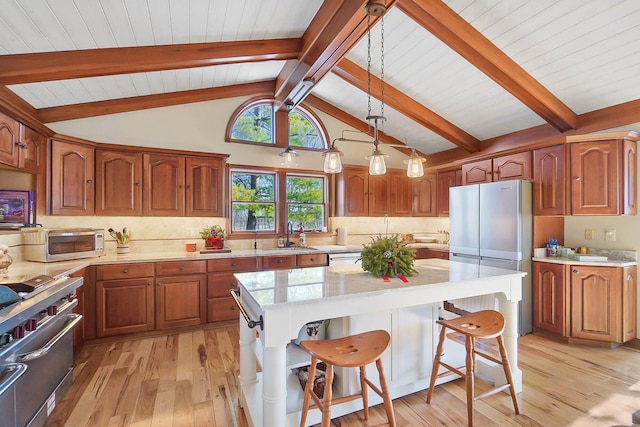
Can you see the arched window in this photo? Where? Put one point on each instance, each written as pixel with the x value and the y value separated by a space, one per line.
pixel 253 122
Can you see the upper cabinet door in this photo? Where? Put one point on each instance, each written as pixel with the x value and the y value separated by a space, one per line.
pixel 548 181
pixel 72 179
pixel 513 166
pixel 32 150
pixel 425 195
pixel 446 180
pixel 9 133
pixel 594 182
pixel 163 185
pixel 401 194
pixel 379 195
pixel 630 177
pixel 118 183
pixel 204 186
pixel 477 172
pixel 353 192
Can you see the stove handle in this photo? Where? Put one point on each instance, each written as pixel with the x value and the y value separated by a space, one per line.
pixel 73 319
pixel 17 370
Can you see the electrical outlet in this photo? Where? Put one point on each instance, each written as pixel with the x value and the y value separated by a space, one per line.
pixel 588 234
pixel 610 235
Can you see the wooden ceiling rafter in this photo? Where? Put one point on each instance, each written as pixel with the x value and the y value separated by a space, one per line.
pixel 462 37
pixel 38 67
pixel 357 76
pixel 336 28
pixel 112 106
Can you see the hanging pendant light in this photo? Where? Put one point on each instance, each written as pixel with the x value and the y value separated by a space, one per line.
pixel 415 169
pixel 377 164
pixel 332 161
pixel 289 157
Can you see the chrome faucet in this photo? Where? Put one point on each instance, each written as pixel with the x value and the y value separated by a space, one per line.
pixel 288 242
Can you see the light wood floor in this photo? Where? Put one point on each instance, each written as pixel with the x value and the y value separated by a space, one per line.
pixel 190 379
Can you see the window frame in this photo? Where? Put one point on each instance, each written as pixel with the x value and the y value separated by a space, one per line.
pixel 280 121
pixel 280 194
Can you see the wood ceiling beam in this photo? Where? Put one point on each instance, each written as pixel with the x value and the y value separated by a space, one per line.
pixel 357 76
pixel 19 109
pixel 459 35
pixel 112 106
pixel 38 67
pixel 336 28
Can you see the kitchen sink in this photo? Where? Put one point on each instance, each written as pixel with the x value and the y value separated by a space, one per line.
pixel 291 248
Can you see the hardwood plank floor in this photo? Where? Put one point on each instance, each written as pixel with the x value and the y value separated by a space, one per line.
pixel 191 379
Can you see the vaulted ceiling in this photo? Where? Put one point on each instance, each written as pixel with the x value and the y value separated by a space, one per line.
pixel 461 77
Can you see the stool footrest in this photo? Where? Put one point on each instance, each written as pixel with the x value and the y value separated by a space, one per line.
pixel 492 391
pixel 458 371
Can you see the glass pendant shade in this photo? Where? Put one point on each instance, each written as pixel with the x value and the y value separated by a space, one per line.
pixel 289 157
pixel 415 169
pixel 377 165
pixel 332 161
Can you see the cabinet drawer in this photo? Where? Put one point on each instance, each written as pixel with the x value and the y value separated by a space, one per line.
pixel 275 262
pixel 310 260
pixel 233 264
pixel 219 309
pixel 180 267
pixel 123 271
pixel 219 285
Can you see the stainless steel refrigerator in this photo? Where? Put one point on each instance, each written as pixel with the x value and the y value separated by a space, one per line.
pixel 491 224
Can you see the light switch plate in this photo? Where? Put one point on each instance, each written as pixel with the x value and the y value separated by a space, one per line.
pixel 588 234
pixel 610 235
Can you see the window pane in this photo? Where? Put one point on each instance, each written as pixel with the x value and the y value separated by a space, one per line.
pixel 255 124
pixel 305 189
pixel 311 217
pixel 252 201
pixel 303 132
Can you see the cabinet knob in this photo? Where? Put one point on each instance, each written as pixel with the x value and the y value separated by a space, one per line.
pixel 629 277
pixel 149 283
pixel 159 284
pixel 179 186
pixel 280 261
pixel 125 271
pixel 575 270
pixel 577 178
pixel 137 184
pixel 312 259
pixel 21 144
pixel 233 264
pixel 188 187
pixel 181 268
pixel 89 181
pixel 232 285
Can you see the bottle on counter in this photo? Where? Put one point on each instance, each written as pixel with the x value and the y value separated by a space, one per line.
pixel 281 242
pixel 552 247
pixel 303 240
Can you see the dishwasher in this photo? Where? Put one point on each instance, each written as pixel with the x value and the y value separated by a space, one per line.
pixel 344 258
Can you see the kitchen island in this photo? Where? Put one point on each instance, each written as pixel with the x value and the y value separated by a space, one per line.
pixel 281 302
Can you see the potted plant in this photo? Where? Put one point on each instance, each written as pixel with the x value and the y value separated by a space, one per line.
pixel 388 256
pixel 213 236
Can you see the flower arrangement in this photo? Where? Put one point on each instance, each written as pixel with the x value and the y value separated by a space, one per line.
pixel 213 236
pixel 388 256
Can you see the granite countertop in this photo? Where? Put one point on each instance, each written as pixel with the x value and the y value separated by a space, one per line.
pixel 22 270
pixel 569 261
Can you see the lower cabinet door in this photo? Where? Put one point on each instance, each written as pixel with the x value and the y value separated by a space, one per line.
pixel 124 306
pixel 596 303
pixel 219 309
pixel 180 300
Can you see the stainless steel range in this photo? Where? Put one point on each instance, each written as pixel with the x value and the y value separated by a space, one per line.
pixel 36 349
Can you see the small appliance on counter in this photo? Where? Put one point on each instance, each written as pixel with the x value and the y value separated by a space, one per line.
pixel 16 208
pixel 48 245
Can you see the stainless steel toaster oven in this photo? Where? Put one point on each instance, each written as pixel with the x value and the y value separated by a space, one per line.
pixel 47 245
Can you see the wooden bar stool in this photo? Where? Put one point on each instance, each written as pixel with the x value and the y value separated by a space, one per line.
pixel 347 352
pixel 484 324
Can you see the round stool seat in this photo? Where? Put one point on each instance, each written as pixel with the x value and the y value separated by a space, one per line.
pixel 481 324
pixel 349 352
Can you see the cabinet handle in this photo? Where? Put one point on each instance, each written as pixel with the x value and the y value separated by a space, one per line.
pixel 233 308
pixel 181 268
pixel 149 283
pixel 233 264
pixel 159 284
pixel 628 277
pixel 280 261
pixel 577 178
pixel 188 187
pixel 179 186
pixel 137 184
pixel 575 270
pixel 232 284
pixel 89 181
pixel 21 144
pixel 125 271
pixel 312 259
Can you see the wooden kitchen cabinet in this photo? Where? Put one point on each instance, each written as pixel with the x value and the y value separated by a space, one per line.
pixel 353 191
pixel 447 180
pixel 203 184
pixel 512 166
pixel 72 178
pixel 9 140
pixel 180 294
pixel 312 260
pixel 425 199
pixel 427 253
pixel 379 195
pixel 549 193
pixel 550 298
pixel 124 299
pixel 603 174
pixel 401 197
pixel 163 185
pixel 276 262
pixel 118 183
pixel 220 280
pixel 581 302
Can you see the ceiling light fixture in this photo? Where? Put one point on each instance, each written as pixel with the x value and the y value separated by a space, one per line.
pixel 415 169
pixel 332 162
pixel 377 164
pixel 289 157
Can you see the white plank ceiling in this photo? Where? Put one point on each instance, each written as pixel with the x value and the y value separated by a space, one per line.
pixel 585 52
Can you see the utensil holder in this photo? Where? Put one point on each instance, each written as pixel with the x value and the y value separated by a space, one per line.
pixel 122 249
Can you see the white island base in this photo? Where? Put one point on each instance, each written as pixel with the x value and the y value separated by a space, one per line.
pixel 356 302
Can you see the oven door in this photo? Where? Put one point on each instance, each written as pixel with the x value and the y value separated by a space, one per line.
pixel 48 355
pixel 9 374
